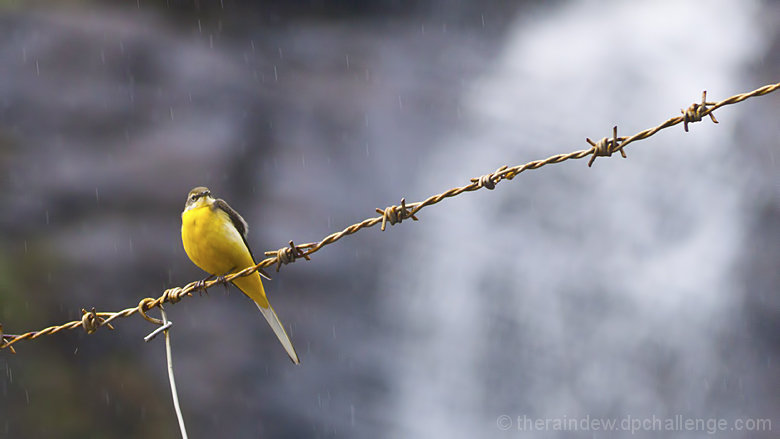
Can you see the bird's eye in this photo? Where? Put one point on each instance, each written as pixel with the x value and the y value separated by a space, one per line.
pixel 194 197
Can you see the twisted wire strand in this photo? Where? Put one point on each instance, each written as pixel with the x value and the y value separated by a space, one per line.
pixel 92 320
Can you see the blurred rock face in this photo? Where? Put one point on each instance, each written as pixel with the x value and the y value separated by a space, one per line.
pixel 607 291
pixel 109 117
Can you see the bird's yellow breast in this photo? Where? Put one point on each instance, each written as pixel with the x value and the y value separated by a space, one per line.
pixel 212 242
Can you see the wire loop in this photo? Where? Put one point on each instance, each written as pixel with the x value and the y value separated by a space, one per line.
pixel 146 305
pixel 489 181
pixel 173 295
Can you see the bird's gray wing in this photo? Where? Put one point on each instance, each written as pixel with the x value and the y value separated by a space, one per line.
pixel 243 229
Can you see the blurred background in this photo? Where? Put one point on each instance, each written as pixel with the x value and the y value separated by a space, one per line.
pixel 640 287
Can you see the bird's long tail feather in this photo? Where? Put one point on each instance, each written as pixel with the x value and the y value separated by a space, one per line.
pixel 276 325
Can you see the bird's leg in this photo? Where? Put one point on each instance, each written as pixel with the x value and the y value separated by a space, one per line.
pixel 201 285
pixel 221 279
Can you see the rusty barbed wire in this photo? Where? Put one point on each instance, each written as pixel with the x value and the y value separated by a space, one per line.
pixel 92 320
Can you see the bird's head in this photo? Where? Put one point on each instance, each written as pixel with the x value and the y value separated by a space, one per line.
pixel 198 197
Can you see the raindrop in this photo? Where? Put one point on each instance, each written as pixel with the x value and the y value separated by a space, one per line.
pixel 25 246
pixel 400 103
pixel 24 55
pixel 211 41
pixel 27 396
pixel 347 57
pixel 276 74
pixel 352 414
pixel 252 43
pixel 303 160
pixel 47 217
pixel 200 28
pixel 171 112
pixel 281 54
pixel 37 68
pixel 334 331
pixel 103 56
pixel 97 196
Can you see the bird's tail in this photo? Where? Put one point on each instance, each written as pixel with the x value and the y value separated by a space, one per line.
pixel 276 325
pixel 252 286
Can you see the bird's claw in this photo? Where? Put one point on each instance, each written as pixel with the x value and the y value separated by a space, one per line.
pixel 223 280
pixel 200 286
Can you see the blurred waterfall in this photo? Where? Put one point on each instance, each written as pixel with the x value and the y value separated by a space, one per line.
pixel 574 292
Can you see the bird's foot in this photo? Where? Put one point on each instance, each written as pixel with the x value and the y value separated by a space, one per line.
pixel 200 286
pixel 223 280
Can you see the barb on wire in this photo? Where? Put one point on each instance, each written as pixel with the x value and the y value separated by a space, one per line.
pixel 695 112
pixel 605 147
pixel 393 214
pixel 2 341
pixel 91 321
pixel 286 255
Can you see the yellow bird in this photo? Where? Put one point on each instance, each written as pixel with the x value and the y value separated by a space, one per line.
pixel 214 237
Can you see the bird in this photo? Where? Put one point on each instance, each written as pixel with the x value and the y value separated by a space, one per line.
pixel 214 238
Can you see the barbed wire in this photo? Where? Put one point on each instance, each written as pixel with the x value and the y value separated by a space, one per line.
pixel 92 320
